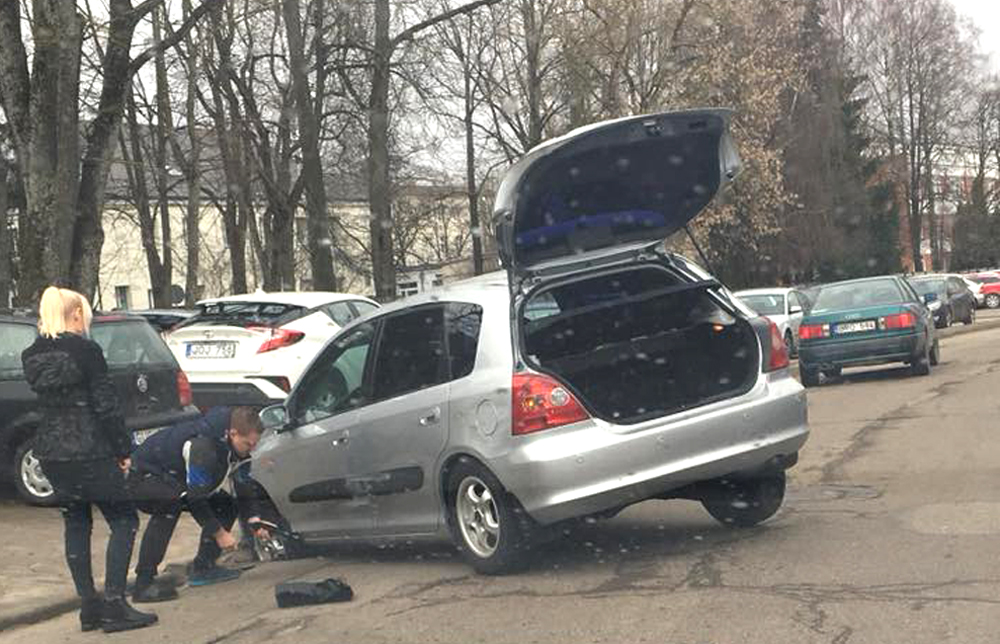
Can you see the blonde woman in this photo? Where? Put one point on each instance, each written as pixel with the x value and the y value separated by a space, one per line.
pixel 84 449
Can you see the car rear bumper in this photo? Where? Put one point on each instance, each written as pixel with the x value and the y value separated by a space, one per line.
pixel 578 472
pixel 860 352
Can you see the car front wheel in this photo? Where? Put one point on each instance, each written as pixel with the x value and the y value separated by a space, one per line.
pixel 743 503
pixel 31 483
pixel 486 522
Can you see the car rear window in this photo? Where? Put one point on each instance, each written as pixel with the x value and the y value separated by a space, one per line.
pixel 923 287
pixel 14 338
pixel 246 314
pixel 129 343
pixel 856 295
pixel 765 304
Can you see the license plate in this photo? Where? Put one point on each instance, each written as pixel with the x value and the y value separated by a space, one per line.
pixel 211 350
pixel 139 436
pixel 854 327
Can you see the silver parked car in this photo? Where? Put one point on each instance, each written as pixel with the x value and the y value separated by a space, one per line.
pixel 596 372
pixel 783 306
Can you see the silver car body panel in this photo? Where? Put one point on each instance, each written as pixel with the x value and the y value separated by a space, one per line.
pixel 566 472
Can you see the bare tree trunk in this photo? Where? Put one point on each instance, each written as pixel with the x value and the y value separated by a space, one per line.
pixel 162 296
pixel 6 249
pixel 470 172
pixel 379 199
pixel 320 242
pixel 192 215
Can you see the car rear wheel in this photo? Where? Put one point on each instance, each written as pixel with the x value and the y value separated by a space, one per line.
pixel 743 503
pixel 993 300
pixel 971 317
pixel 833 373
pixel 935 356
pixel 486 522
pixel 921 366
pixel 790 345
pixel 31 483
pixel 810 375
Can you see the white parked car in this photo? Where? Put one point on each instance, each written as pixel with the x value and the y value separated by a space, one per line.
pixel 783 306
pixel 251 349
pixel 977 290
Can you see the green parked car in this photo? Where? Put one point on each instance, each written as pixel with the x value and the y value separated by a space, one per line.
pixel 870 321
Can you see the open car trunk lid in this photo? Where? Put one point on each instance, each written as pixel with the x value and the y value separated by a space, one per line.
pixel 613 187
pixel 639 341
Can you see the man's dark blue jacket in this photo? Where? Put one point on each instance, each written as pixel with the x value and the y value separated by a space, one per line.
pixel 193 459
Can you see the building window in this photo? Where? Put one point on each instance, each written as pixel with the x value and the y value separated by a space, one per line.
pixel 121 297
pixel 407 288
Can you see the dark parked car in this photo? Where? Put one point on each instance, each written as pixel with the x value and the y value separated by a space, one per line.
pixel 164 320
pixel 955 302
pixel 876 320
pixel 154 391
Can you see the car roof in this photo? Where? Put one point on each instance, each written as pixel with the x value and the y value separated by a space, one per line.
pixel 474 289
pixel 307 299
pixel 778 290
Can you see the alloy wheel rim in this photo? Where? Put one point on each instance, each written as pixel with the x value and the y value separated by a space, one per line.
pixel 478 518
pixel 33 478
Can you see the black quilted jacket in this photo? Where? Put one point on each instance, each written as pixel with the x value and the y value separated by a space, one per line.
pixel 81 414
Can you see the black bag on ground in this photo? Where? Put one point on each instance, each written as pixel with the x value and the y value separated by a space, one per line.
pixel 307 593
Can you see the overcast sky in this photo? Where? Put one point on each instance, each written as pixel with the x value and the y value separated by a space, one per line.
pixel 985 14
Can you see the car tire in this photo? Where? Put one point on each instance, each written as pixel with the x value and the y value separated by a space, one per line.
pixel 935 356
pixel 790 347
pixel 921 366
pixel 809 375
pixel 833 373
pixel 971 318
pixel 486 522
pixel 30 481
pixel 993 300
pixel 743 503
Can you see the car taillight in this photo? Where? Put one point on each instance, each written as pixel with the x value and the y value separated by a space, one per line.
pixel 778 358
pixel 184 389
pixel 814 331
pixel 905 320
pixel 277 338
pixel 541 402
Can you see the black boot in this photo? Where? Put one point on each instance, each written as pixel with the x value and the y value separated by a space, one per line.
pixel 119 616
pixel 90 613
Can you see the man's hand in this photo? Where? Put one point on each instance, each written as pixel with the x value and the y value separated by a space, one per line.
pixel 259 531
pixel 225 539
pixel 125 463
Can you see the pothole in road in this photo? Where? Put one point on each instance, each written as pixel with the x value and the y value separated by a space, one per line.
pixel 980 517
pixel 815 493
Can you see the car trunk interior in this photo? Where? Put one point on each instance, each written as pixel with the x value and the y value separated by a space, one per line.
pixel 638 343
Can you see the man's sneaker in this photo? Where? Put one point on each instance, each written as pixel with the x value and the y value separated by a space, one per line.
pixel 157 590
pixel 215 575
pixel 119 616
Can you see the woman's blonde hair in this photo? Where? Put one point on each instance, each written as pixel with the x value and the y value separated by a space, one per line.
pixel 57 308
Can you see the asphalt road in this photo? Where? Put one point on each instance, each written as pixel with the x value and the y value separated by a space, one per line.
pixel 890 533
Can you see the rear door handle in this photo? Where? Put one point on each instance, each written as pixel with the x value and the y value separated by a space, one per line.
pixel 341 440
pixel 432 418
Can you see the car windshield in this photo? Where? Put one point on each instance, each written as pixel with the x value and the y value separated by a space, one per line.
pixel 856 295
pixel 923 287
pixel 769 304
pixel 131 343
pixel 244 314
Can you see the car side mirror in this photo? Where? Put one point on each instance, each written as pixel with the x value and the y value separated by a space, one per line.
pixel 276 418
pixel 930 297
pixel 795 310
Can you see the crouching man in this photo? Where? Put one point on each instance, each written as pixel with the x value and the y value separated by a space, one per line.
pixel 185 468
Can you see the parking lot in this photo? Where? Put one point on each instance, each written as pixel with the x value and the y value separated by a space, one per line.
pixel 889 534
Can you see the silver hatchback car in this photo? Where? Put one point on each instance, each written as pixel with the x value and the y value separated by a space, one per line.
pixel 596 372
